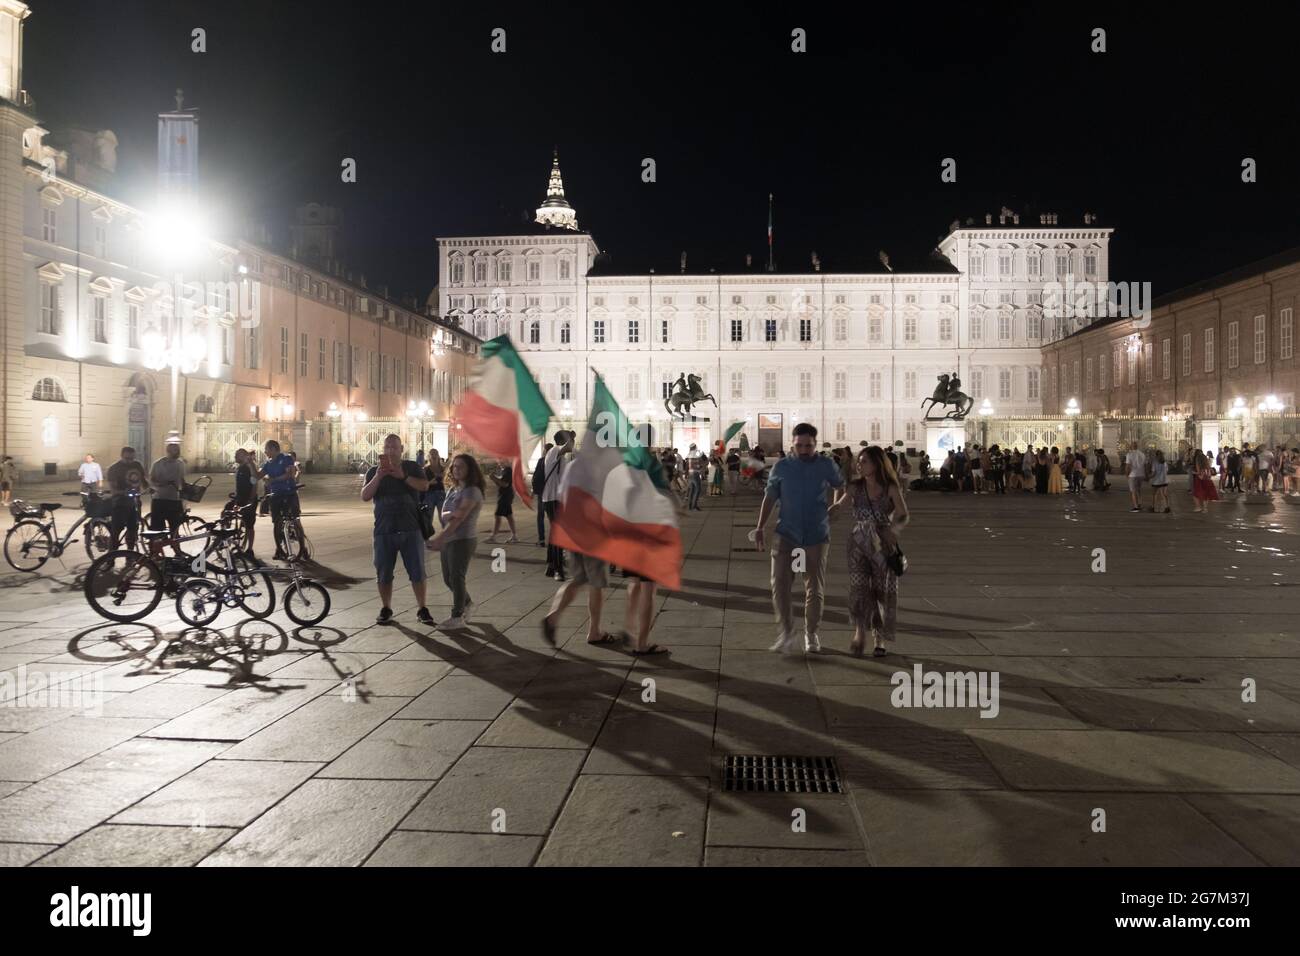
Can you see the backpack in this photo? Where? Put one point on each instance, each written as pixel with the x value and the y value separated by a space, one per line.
pixel 539 477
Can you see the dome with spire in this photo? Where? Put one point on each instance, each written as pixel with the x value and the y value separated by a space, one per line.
pixel 555 209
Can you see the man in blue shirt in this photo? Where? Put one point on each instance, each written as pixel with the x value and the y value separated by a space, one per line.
pixel 803 485
pixel 282 474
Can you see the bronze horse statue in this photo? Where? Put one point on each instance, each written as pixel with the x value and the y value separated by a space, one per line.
pixel 685 395
pixel 948 392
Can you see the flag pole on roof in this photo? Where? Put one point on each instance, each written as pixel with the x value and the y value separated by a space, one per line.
pixel 771 267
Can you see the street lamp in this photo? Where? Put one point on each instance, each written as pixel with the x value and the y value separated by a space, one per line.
pixel 1238 409
pixel 418 414
pixel 986 408
pixel 333 411
pixel 1271 404
pixel 1072 407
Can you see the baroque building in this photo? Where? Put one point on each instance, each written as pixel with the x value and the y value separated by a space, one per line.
pixel 852 346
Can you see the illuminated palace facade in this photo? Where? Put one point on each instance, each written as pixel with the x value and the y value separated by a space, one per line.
pixel 119 326
pixel 852 347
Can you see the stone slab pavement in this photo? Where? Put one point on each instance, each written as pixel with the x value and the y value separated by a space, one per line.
pixel 1149 706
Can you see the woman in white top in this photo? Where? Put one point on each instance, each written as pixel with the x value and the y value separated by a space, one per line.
pixel 1159 483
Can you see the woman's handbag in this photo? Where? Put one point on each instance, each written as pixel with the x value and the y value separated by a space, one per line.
pixel 426 521
pixel 897 561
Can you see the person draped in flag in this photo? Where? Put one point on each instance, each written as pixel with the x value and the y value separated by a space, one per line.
pixel 614 505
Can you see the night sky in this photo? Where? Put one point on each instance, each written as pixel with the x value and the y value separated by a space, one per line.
pixel 451 139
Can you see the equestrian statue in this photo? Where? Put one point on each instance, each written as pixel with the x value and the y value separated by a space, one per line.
pixel 686 392
pixel 948 392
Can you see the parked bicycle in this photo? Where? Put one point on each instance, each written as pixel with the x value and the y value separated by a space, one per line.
pixel 231 582
pixel 291 538
pixel 126 585
pixel 34 537
pixel 306 601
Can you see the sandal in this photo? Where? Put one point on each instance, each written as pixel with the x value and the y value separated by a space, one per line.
pixel 607 639
pixel 652 649
pixel 878 652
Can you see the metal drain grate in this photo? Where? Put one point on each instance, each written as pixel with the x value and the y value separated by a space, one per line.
pixel 753 773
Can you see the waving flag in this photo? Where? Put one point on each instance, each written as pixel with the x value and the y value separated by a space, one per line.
pixel 504 413
pixel 732 432
pixel 613 502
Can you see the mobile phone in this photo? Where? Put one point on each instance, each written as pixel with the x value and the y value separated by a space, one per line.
pixel 383 462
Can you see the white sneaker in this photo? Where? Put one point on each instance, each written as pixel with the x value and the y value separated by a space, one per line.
pixel 452 623
pixel 812 644
pixel 469 606
pixel 783 644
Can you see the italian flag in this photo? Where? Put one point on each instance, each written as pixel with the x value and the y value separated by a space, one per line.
pixel 613 499
pixel 503 412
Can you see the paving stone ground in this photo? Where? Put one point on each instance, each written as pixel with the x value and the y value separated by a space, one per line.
pixel 351 743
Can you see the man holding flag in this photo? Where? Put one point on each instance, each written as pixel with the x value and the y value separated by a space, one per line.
pixel 614 506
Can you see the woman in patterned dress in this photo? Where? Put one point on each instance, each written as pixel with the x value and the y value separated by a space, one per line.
pixel 879 510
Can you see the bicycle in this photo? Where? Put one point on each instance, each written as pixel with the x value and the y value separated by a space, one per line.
pixel 292 539
pixel 306 601
pixel 232 518
pixel 126 585
pixel 200 599
pixel 33 540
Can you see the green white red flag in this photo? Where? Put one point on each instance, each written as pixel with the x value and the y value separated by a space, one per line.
pixel 503 413
pixel 613 499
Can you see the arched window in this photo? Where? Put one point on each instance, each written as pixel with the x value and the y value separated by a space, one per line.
pixel 48 390
pixel 534 333
pixel 203 405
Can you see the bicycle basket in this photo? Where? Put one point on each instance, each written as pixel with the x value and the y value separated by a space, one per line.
pixel 98 506
pixel 194 493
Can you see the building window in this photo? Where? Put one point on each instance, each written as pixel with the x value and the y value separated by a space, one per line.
pixel 480 270
pixel 911 431
pixel 664 330
pixel 1261 342
pixel 1101 372
pixel 504 270
pixel 1132 367
pixel 564 333
pixel 565 267
pixel 1148 352
pixel 320 360
pixel 737 384
pixel 841 386
pixel 1166 347
pixel 48 390
pixel 1035 326
pixel 133 327
pixel 839 431
pixel 1209 350
pixel 805 386
pixel 1087 382
pixel 49 224
pixel 302 354
pixel 252 348
pixel 1117 363
pixel 1004 382
pixel 1285 347
pixel 976 327
pixel 873 388
pixel 909 329
pixel 735 300
pixel 633 300
pixel 534 271
pixel 909 384
pixel 841 328
pixel 385 373
pixel 701 300
pixel 1031 384
pixel 1004 326
pixel 1031 260
pixel 875 329
pixel 769 384
pixel 598 302
pixel 227 345
pixel 1062 264
pixel 805 330
pixel 355 355
pixel 598 331
pixel 1004 264
pixel 566 387
pixel 99 319
pixel 633 386
pixel 977 383
pixel 203 405
pixel 769 330
pixel 702 331
pixel 1090 263
pixel 1234 354
pixel 51 323
pixel 737 330
pixel 875 430
pixel 977 264
pixel 633 331
pixel 284 351
pixel 534 333
pixel 945 329
pixel 1187 353
pixel 372 371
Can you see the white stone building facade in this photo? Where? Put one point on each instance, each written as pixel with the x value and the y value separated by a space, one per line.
pixel 853 353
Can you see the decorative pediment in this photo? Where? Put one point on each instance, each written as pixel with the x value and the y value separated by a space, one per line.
pixel 51 273
pixel 102 214
pixel 101 286
pixel 52 196
pixel 137 295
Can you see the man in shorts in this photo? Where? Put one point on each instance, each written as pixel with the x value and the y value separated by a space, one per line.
pixel 1137 473
pixel 587 571
pixel 126 481
pixel 395 486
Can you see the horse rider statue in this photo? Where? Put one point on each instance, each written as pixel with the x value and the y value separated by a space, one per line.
pixel 948 392
pixel 686 393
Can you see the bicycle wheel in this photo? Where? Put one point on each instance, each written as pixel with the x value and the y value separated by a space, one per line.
pixel 192 525
pixel 198 602
pixel 99 537
pixel 255 593
pixel 292 538
pixel 123 585
pixel 306 602
pixel 28 545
